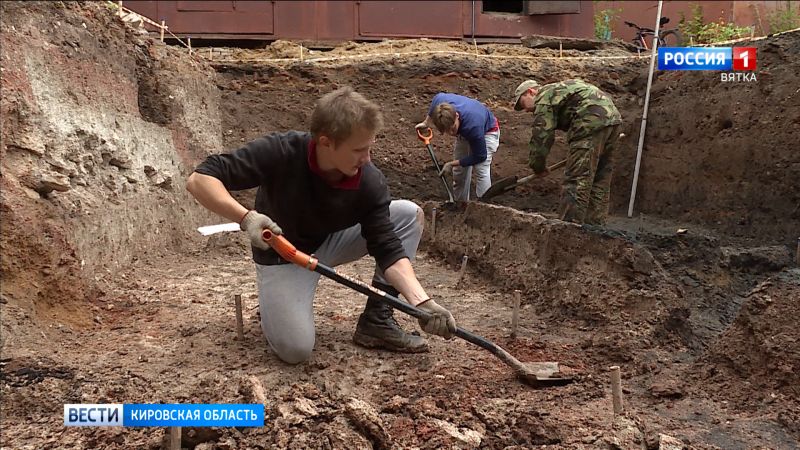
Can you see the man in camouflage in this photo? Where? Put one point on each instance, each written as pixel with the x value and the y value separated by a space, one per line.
pixel 592 122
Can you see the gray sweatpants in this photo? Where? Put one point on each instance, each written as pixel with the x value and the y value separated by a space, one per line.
pixel 286 292
pixel 462 176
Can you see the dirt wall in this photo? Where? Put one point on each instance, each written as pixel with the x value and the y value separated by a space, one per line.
pixel 100 126
pixel 723 154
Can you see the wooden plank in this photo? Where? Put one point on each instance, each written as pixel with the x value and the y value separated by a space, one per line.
pixel 557 43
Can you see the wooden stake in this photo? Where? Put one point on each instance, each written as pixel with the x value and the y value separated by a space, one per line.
pixel 174 438
pixel 515 314
pixel 239 322
pixel 210 53
pixel 189 43
pixel 120 8
pixel 560 50
pixel 616 389
pixel 433 223
pixel 163 26
pixel 301 52
pixel 463 270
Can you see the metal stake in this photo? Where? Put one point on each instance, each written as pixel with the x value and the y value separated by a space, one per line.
pixel 653 55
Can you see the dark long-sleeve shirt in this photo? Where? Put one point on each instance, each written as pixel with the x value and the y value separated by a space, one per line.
pixel 306 207
pixel 476 121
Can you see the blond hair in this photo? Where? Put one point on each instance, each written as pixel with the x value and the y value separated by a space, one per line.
pixel 444 117
pixel 338 113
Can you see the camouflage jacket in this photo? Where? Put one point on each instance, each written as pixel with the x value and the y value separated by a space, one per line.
pixel 574 106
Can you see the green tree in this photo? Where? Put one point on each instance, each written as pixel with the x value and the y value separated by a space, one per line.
pixel 700 32
pixel 783 19
pixel 604 23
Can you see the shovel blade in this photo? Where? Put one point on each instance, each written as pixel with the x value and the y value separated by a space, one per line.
pixel 541 382
pixel 499 187
pixel 544 374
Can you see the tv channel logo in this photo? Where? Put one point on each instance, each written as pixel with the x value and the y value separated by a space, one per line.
pixel 102 415
pixel 744 58
pixel 707 58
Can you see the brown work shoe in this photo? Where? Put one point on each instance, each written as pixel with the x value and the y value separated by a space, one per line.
pixel 377 328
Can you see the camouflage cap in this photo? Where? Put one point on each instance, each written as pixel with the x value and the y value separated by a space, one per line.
pixel 527 84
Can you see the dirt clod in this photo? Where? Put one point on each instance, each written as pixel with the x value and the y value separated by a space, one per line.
pixel 367 420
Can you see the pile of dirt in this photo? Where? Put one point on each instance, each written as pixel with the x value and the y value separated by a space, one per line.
pixel 604 283
pixel 282 49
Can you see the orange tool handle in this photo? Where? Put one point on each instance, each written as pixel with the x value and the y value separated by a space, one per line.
pixel 288 251
pixel 425 138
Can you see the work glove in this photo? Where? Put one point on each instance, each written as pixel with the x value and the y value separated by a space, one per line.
pixel 421 126
pixel 254 223
pixel 440 323
pixel 447 168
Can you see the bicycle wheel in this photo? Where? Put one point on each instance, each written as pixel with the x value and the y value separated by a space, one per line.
pixel 671 38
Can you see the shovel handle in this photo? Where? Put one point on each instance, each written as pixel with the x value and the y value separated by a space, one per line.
pixel 288 251
pixel 522 180
pixel 425 138
pixel 557 165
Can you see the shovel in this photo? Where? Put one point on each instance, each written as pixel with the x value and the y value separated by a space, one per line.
pixel 509 183
pixel 426 139
pixel 541 374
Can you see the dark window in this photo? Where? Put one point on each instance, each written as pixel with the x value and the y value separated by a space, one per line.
pixel 551 7
pixel 503 6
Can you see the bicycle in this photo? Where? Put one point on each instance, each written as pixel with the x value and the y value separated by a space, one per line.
pixel 666 38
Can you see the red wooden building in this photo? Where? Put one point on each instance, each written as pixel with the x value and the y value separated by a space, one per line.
pixel 326 20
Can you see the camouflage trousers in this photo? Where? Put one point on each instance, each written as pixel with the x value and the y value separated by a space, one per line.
pixel 587 177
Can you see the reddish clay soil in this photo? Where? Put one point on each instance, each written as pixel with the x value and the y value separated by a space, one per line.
pixel 108 294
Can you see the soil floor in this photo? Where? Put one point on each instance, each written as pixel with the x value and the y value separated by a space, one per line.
pixel 166 331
